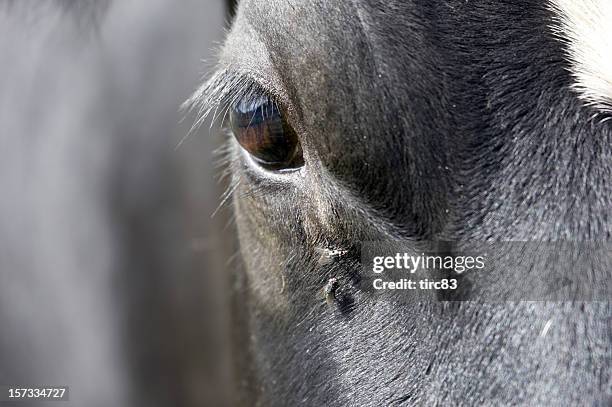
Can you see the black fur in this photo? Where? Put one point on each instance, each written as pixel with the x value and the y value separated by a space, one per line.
pixel 419 120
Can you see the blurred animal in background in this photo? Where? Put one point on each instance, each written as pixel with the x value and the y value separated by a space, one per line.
pixel 110 276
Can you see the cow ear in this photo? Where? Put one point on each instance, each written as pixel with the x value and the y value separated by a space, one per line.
pixel 585 27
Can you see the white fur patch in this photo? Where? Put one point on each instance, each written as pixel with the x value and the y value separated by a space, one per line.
pixel 586 27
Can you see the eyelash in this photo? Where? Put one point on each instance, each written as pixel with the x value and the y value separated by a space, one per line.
pixel 225 89
pixel 252 91
pixel 273 146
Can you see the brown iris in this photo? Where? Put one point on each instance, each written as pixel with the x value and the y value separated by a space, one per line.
pixel 259 127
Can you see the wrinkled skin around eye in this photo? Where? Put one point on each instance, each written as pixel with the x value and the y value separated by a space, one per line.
pixel 260 128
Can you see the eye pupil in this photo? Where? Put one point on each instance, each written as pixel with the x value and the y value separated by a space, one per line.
pixel 259 127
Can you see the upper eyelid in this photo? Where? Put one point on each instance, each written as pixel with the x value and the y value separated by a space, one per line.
pixel 225 89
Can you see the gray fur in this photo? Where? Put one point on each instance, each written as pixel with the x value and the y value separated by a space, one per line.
pixel 446 120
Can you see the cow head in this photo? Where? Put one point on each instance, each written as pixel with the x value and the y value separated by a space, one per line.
pixel 408 121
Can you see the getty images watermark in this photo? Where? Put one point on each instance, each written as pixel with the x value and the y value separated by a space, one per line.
pixel 412 263
pixel 494 272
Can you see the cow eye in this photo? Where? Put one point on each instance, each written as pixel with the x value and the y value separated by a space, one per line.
pixel 260 128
